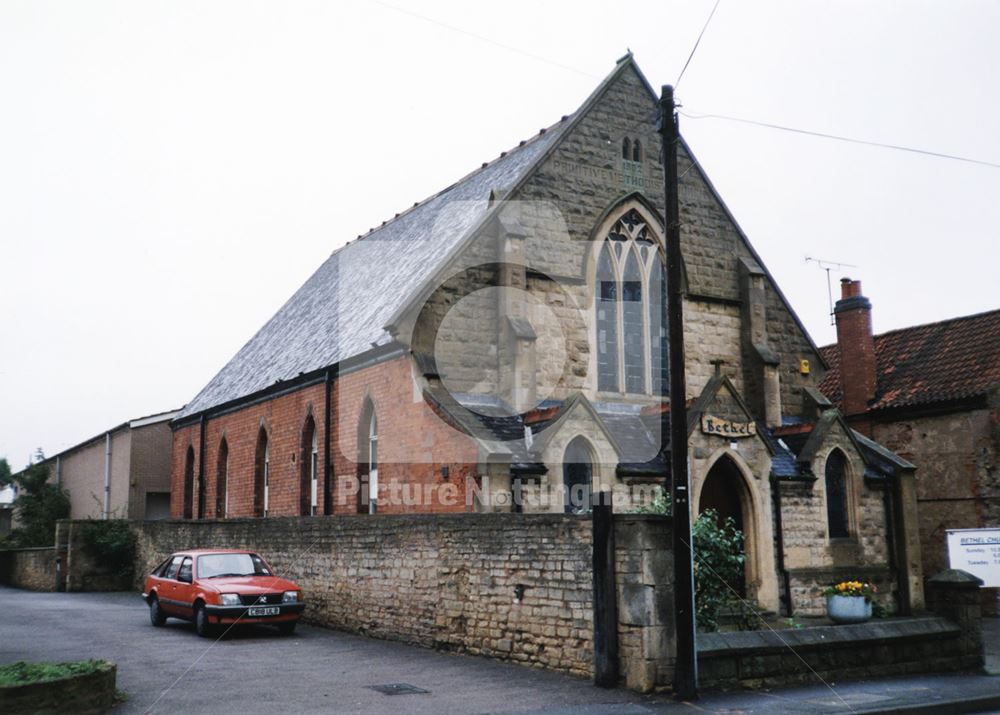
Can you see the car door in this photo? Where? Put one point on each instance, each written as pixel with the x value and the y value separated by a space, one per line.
pixel 168 588
pixel 185 588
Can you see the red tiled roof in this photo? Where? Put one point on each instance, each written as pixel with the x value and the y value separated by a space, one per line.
pixel 938 362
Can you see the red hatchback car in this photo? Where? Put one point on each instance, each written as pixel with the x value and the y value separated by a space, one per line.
pixel 219 587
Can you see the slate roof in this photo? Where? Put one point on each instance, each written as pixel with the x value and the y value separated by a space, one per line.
pixel 342 310
pixel 925 364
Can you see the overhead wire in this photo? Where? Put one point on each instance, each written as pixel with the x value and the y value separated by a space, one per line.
pixel 696 43
pixel 837 137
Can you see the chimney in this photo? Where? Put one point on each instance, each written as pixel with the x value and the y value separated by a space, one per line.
pixel 857 347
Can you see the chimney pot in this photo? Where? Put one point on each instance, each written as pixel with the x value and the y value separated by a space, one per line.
pixel 849 288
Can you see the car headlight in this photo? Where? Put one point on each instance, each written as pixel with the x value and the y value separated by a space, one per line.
pixel 290 597
pixel 229 599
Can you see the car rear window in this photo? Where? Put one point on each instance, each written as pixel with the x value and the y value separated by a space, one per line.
pixel 222 565
pixel 172 568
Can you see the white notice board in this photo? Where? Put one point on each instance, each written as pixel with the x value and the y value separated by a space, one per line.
pixel 976 551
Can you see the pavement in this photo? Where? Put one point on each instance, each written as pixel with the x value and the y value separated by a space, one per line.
pixel 171 670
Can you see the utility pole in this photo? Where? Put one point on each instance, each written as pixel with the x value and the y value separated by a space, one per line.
pixel 686 668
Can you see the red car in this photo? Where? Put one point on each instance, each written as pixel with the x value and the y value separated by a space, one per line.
pixel 220 587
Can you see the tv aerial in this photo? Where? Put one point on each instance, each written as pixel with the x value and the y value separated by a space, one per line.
pixel 829 266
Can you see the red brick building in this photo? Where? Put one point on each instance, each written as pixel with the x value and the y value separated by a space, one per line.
pixel 500 346
pixel 931 393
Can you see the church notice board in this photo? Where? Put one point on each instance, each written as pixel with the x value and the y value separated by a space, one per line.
pixel 976 551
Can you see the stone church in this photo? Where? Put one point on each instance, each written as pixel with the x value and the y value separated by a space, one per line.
pixel 500 346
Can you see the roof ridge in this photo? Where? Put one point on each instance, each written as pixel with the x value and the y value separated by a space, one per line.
pixel 918 326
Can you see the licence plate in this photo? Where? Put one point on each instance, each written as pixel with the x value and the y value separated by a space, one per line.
pixel 264 611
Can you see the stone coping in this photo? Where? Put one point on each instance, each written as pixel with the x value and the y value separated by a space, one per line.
pixel 739 643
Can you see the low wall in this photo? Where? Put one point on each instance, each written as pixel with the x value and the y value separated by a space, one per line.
pixel 33 569
pixel 767 659
pixel 517 587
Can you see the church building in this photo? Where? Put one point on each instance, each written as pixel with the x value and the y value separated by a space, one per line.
pixel 501 346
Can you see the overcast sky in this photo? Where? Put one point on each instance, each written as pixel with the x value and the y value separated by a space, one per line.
pixel 171 172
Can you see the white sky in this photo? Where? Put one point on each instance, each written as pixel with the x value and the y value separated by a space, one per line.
pixel 171 172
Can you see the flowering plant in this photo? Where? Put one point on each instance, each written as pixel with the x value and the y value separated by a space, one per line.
pixel 852 588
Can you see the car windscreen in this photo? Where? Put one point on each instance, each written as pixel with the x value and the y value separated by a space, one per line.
pixel 220 565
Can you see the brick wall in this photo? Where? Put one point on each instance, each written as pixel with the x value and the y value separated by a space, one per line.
pixel 34 569
pixel 451 581
pixel 414 444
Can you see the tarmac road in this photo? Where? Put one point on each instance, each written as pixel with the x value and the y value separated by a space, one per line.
pixel 171 670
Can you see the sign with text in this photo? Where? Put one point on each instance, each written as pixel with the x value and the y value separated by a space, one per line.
pixel 976 551
pixel 727 428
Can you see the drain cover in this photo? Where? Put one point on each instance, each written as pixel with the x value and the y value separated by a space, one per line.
pixel 397 689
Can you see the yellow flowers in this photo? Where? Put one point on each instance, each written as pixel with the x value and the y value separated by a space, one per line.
pixel 851 588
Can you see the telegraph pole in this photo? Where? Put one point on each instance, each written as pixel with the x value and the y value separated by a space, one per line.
pixel 686 669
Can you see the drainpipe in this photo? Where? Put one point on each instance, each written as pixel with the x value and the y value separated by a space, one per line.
pixel 785 578
pixel 201 467
pixel 59 472
pixel 107 475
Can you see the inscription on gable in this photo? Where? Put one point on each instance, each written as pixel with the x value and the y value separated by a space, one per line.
pixel 727 428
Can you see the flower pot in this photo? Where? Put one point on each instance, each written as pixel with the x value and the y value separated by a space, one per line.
pixel 848 609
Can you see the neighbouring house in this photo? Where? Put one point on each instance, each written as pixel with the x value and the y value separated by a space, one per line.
pixel 8 495
pixel 930 393
pixel 123 472
pixel 500 346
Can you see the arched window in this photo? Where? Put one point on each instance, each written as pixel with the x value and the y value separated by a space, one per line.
pixel 189 483
pixel 607 321
pixel 658 363
pixel 222 481
pixel 373 464
pixel 626 148
pixel 836 495
pixel 636 151
pixel 261 477
pixel 307 466
pixel 631 336
pixel 578 474
pixel 368 460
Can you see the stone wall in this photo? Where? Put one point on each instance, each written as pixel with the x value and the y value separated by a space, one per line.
pixel 767 659
pixel 510 586
pixel 34 569
pixel 958 474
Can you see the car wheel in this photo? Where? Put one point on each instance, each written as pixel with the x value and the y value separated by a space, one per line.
pixel 201 626
pixel 156 615
pixel 287 628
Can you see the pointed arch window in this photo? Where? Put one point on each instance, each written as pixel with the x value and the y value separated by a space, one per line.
pixel 307 468
pixel 261 477
pixel 373 464
pixel 189 483
pixel 836 495
pixel 631 336
pixel 222 481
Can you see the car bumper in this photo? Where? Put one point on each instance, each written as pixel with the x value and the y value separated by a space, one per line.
pixel 231 614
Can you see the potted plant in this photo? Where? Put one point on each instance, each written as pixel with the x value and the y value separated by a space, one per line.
pixel 849 601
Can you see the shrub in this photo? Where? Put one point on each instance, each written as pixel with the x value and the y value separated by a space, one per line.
pixel 719 560
pixel 112 543
pixel 718 569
